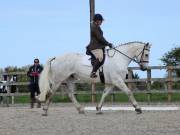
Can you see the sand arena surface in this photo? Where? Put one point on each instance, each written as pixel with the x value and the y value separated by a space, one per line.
pixel 64 120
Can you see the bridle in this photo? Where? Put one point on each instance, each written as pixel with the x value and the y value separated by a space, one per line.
pixel 133 59
pixel 142 54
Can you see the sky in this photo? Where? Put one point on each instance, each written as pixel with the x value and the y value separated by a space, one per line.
pixel 46 28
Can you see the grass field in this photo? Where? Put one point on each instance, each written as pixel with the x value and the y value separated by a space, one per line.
pixel 140 97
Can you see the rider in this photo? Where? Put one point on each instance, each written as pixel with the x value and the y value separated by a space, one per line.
pixel 97 44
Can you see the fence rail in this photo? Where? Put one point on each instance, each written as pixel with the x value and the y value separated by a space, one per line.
pixel 148 81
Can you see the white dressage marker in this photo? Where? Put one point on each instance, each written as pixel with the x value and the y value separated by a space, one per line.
pixel 150 108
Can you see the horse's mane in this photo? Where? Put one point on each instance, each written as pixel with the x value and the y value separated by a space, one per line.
pixel 128 43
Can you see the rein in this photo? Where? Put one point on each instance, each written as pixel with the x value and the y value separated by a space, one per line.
pixel 125 55
pixel 138 62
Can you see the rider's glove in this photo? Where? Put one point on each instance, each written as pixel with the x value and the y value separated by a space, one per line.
pixel 110 45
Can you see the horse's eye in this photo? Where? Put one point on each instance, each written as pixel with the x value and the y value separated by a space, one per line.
pixel 146 55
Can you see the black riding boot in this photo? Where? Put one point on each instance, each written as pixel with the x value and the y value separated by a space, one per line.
pixel 96 66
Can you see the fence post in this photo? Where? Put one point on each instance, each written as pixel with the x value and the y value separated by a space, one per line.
pixel 93 91
pixel 92 12
pixel 169 87
pixel 12 100
pixel 62 91
pixel 130 74
pixel 112 97
pixel 149 85
pixel 8 91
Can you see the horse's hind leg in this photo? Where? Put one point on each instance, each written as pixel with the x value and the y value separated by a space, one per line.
pixel 71 87
pixel 106 91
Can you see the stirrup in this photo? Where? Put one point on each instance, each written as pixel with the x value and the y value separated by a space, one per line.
pixel 93 75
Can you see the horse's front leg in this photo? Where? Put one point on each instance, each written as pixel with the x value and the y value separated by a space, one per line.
pixel 121 85
pixel 47 103
pixel 106 91
pixel 71 87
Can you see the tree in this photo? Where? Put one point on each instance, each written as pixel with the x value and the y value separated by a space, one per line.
pixel 135 76
pixel 172 58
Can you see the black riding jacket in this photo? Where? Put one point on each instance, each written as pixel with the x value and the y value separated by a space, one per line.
pixel 34 72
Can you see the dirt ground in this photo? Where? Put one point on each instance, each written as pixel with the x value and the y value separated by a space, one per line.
pixel 63 119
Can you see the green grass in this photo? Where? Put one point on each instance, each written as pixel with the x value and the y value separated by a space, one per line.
pixel 21 99
pixel 140 97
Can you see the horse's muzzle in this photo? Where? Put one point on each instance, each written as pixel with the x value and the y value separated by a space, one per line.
pixel 143 68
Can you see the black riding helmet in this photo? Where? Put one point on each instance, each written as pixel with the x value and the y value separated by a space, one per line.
pixel 36 60
pixel 98 17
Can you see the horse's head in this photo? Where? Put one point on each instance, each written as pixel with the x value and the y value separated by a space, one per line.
pixel 142 56
pixel 42 97
pixel 45 87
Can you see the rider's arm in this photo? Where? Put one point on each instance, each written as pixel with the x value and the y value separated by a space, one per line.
pixel 99 36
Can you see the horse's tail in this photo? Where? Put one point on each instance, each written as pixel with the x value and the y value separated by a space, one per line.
pixel 45 80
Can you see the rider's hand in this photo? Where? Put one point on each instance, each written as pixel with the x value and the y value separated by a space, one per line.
pixel 110 45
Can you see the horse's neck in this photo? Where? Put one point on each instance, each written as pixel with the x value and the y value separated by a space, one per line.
pixel 129 50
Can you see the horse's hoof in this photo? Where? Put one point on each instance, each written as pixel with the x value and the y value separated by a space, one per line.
pixel 44 114
pixel 138 110
pixel 81 111
pixel 45 109
pixel 98 108
pixel 99 113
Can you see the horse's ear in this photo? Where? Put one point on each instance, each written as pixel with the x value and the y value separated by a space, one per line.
pixel 147 44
